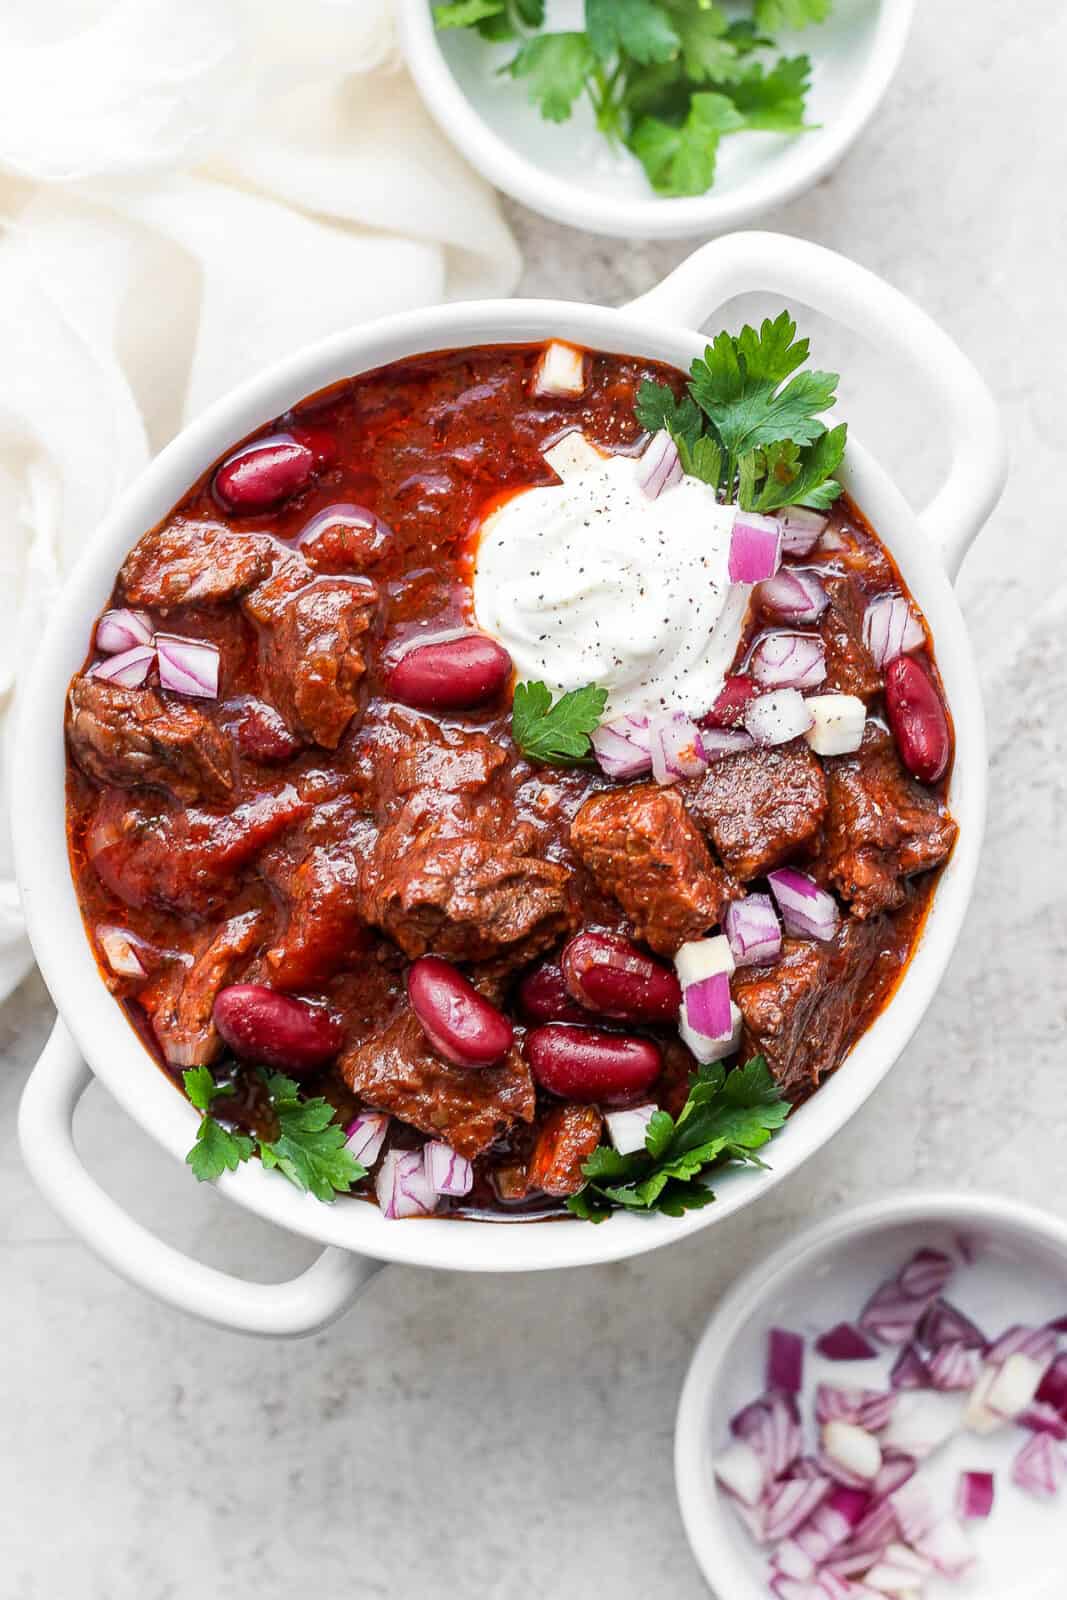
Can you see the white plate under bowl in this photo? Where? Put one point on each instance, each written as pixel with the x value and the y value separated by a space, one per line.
pixel 568 171
pixel 823 1277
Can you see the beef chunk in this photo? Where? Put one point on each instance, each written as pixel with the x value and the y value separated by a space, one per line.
pixel 642 847
pixel 193 561
pixel 468 888
pixel 882 827
pixel 340 547
pixel 148 853
pixel 404 752
pixel 395 1070
pixel 801 1010
pixel 180 1000
pixel 567 1137
pixel 312 655
pixel 760 807
pixel 325 926
pixel 850 667
pixel 135 736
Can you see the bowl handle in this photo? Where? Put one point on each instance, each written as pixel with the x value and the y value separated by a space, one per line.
pixel 303 1305
pixel 740 263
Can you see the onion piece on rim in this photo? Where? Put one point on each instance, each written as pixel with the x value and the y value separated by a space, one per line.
pixel 755 548
pixel 365 1135
pixel 122 629
pixel 660 466
pixel 838 721
pixel 807 910
pixel 622 747
pixel 890 628
pixel 753 930
pixel 627 1129
pixel 188 666
pixel 785 660
pixel 447 1172
pixel 673 745
pixel 121 952
pixel 560 370
pixel 778 717
pixel 794 594
pixel 402 1186
pixel 801 529
pixel 129 669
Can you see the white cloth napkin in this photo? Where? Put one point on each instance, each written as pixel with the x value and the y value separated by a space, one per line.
pixel 188 190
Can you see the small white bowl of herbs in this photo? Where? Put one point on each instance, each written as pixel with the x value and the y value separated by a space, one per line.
pixel 653 118
pixel 879 1412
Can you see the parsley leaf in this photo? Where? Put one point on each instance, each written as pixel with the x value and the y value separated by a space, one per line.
pixel 771 15
pixel 556 734
pixel 641 28
pixel 217 1150
pixel 795 477
pixel 709 49
pixel 201 1088
pixel 557 66
pixel 727 1117
pixel 467 13
pixel 681 160
pixel 773 102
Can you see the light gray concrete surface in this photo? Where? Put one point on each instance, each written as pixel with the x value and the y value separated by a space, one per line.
pixel 501 1437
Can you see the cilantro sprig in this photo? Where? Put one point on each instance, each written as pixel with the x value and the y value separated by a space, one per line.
pixel 309 1147
pixel 556 734
pixel 668 78
pixel 750 421
pixel 727 1117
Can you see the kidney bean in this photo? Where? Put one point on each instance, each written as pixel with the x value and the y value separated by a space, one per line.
pixel 607 974
pixel 543 997
pixel 587 1065
pixel 265 474
pixel 450 674
pixel 459 1022
pixel 262 735
pixel 729 709
pixel 259 1024
pixel 917 717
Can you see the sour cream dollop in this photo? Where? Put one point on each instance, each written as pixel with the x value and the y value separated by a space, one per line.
pixel 590 581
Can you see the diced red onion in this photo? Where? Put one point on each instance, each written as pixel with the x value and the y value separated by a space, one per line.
pixel 975 1495
pixel 891 1315
pixel 673 745
pixel 753 930
pixel 807 910
pixel 122 630
pixel 910 1370
pixel 188 666
pixel 740 1471
pixel 947 1547
pixel 914 1508
pixel 892 1581
pixel 402 1186
pixel 716 743
pixel 790 1505
pixel 955 1366
pixel 895 1472
pixel 942 1324
pixel 778 717
pixel 922 1422
pixel 785 660
pixel 1015 1386
pixel 833 1404
pixel 801 529
pixel 794 594
pixel 1053 1390
pixel 560 370
pixel 890 628
pixel 629 1128
pixel 129 669
pixel 1059 1326
pixel 707 1006
pixel 120 951
pixel 365 1135
pixel 447 1172
pixel 1037 1344
pixel 1040 1467
pixel 845 1343
pixel 772 1429
pixel 659 467
pixel 926 1274
pixel 1043 1418
pixel 854 1449
pixel 785 1363
pixel 622 747
pixel 755 548
pixel 805 1467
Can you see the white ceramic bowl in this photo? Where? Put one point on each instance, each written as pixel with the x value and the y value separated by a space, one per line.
pixel 568 172
pixel 824 1276
pixel 92 1025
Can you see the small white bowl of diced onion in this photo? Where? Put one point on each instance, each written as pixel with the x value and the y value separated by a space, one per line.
pixel 879 1412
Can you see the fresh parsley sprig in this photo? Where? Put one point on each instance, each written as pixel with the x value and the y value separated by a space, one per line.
pixel 556 734
pixel 750 421
pixel 668 78
pixel 309 1147
pixel 727 1117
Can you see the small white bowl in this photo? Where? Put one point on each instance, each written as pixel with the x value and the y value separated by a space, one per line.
pixel 824 1276
pixel 568 172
